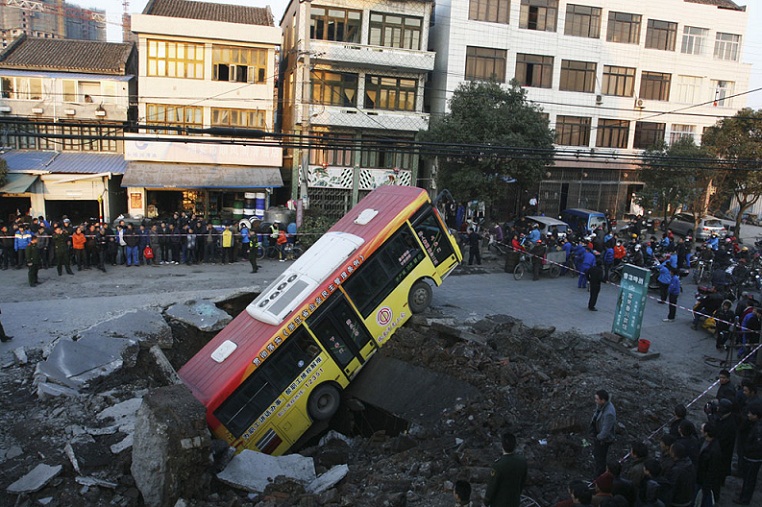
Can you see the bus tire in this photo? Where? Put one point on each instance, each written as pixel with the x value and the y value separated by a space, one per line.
pixel 420 296
pixel 324 402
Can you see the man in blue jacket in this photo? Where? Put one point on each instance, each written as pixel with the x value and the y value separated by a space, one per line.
pixel 674 290
pixel 21 240
pixel 664 279
pixel 608 260
pixel 588 261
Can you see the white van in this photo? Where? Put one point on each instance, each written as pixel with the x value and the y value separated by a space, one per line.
pixel 546 224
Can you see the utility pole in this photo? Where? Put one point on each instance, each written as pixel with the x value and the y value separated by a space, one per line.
pixel 306 101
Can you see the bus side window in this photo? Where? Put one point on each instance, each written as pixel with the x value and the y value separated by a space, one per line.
pixel 434 239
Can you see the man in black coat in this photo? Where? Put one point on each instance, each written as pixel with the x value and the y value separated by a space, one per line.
pixel 725 434
pixel 595 278
pixel 682 476
pixel 752 455
pixel 709 474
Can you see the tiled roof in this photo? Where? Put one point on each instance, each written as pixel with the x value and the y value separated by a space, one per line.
pixel 211 12
pixel 724 4
pixel 91 57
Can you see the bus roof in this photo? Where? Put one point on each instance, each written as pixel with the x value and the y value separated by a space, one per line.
pixel 219 367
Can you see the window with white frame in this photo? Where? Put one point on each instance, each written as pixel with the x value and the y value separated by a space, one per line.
pixel 694 40
pixel 251 118
pixel 679 131
pixel 727 46
pixel 88 92
pixel 21 88
pixel 721 93
pixel 239 65
pixel 175 59
pixel 493 11
pixel 395 31
pixel 688 90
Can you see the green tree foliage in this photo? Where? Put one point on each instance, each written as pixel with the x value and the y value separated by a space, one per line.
pixel 737 141
pixel 675 177
pixel 509 138
pixel 315 223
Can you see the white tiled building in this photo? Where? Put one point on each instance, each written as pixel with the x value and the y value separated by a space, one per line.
pixel 614 76
pixel 368 64
pixel 202 65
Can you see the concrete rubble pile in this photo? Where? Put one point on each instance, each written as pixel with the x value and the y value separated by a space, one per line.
pixel 113 427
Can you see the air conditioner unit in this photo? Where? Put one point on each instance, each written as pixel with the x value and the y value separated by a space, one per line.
pixel 5 109
pixel 599 99
pixel 37 110
pixel 70 112
pixel 639 104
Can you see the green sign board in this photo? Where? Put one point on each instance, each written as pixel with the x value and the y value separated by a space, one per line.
pixel 631 304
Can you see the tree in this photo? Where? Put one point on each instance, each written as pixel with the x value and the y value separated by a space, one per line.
pixel 676 176
pixel 491 137
pixel 737 141
pixel 3 171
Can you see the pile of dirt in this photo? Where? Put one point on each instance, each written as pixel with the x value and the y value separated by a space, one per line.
pixel 535 382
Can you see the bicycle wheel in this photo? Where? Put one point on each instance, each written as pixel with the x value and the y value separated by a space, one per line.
pixel 518 273
pixel 296 252
pixel 260 252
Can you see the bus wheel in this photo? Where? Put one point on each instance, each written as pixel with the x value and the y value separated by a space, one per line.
pixel 420 297
pixel 324 402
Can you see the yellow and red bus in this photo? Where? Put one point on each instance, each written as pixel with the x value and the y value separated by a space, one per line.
pixel 283 363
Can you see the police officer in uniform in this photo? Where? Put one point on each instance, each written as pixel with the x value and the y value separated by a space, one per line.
pixel 507 477
pixel 33 261
pixel 61 250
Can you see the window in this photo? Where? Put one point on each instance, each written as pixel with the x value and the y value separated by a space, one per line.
pixel 85 92
pixel 176 116
pixel 259 390
pixel 239 118
pixel 395 31
pixel 573 130
pixel 578 76
pixel 239 65
pixel 619 81
pixel 391 93
pixel 612 133
pixel 721 92
pixel 494 11
pixel 484 64
pixel 175 59
pixel 583 21
pixel 534 70
pixel 661 35
pixel 538 15
pixel 340 25
pixel 726 46
pixel 21 88
pixel 655 85
pixel 688 90
pixel 381 153
pixel 429 231
pixel 648 134
pixel 337 150
pixel 334 88
pixel 680 132
pixel 624 27
pixel 694 40
pixel 99 139
pixel 380 274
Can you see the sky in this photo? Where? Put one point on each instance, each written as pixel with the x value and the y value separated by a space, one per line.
pixel 752 51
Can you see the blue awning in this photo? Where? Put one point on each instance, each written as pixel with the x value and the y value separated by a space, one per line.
pixel 18 183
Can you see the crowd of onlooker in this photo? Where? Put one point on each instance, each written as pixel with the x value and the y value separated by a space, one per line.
pixel 182 239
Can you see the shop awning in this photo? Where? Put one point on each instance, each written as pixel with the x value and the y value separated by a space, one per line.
pixel 180 176
pixel 16 183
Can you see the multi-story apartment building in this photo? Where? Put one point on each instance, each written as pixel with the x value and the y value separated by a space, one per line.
pixel 613 76
pixel 353 75
pixel 202 65
pixel 50 19
pixel 64 105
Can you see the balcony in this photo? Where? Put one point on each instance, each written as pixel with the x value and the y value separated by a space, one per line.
pixel 372 56
pixel 334 116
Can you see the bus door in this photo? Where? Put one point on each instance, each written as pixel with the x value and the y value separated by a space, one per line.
pixel 342 333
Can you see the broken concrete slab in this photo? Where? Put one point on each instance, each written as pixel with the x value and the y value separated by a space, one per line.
pixel 171 446
pixel 35 480
pixel 145 326
pixel 123 414
pixel 76 364
pixel 46 390
pixel 327 480
pixel 94 481
pixel 203 315
pixel 20 355
pixel 123 445
pixel 460 334
pixel 86 455
pixel 165 366
pixel 253 471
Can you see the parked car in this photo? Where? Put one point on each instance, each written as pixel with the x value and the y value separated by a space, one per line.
pixel 684 223
pixel 546 224
pixel 584 221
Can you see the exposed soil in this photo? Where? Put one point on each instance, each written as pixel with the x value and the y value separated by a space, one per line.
pixel 534 381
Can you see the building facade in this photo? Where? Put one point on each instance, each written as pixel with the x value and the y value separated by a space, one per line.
pixel 613 76
pixel 50 19
pixel 352 79
pixel 202 66
pixel 64 106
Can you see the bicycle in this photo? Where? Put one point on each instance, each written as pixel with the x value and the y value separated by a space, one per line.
pixel 291 251
pixel 524 265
